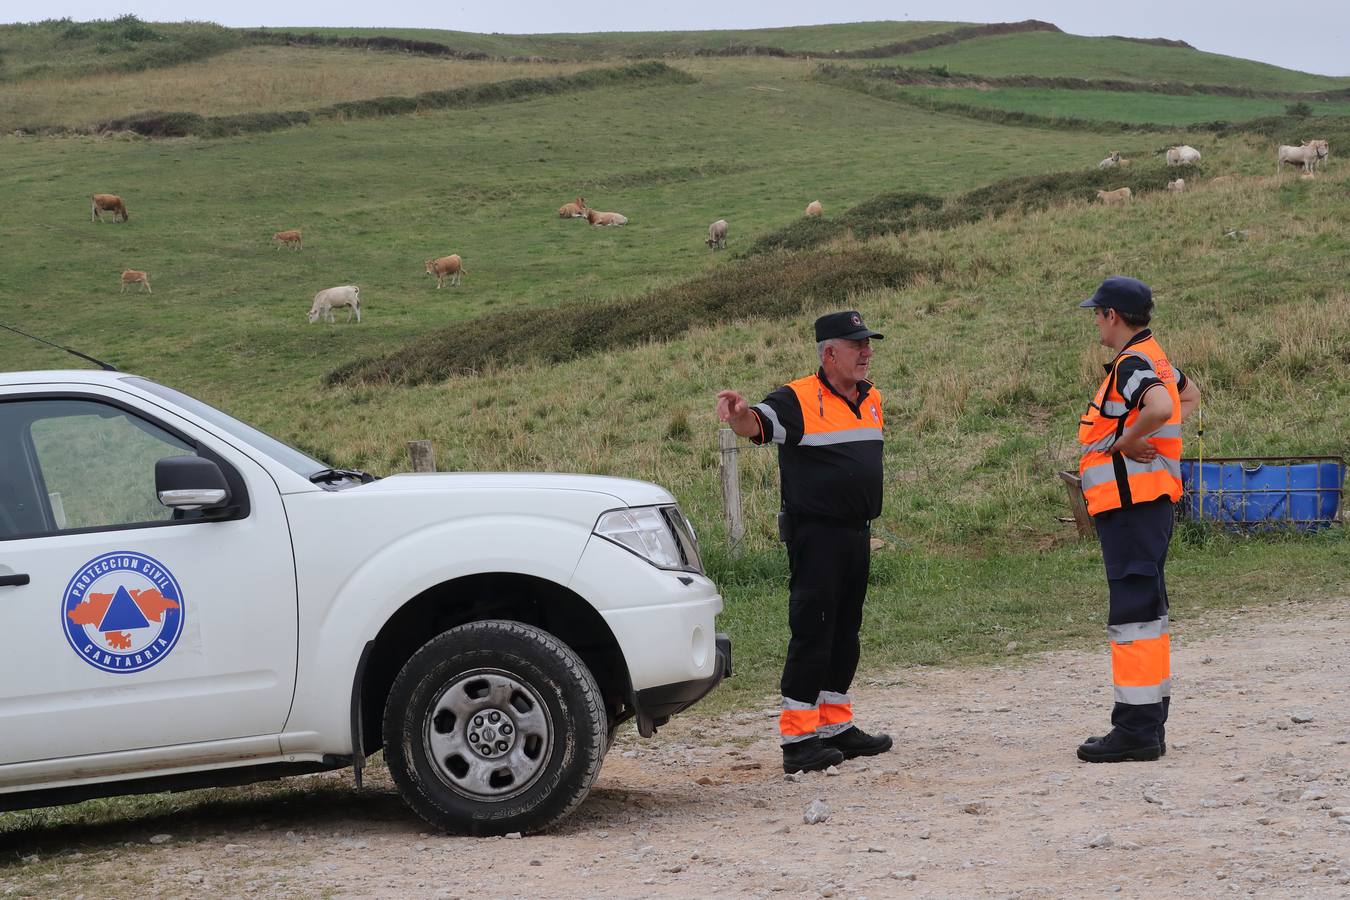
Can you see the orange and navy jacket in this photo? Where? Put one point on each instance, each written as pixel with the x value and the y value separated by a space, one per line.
pixel 829 449
pixel 1112 480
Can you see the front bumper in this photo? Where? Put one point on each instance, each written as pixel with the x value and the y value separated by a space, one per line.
pixel 655 705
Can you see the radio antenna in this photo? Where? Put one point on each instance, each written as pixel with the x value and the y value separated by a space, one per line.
pixel 107 367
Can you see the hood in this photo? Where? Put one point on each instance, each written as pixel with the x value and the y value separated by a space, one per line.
pixel 625 490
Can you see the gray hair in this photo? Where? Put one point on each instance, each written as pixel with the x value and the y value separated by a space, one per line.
pixel 821 345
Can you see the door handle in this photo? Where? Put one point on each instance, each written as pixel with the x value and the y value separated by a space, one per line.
pixel 15 580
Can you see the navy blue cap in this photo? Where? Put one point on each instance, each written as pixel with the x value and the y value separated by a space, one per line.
pixel 847 324
pixel 1127 295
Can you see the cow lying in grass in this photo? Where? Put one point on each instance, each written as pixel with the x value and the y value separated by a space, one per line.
pixel 574 210
pixel 605 218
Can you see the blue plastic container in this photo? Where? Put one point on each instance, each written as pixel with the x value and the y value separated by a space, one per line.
pixel 1263 492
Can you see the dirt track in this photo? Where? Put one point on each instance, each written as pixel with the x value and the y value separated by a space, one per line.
pixel 982 797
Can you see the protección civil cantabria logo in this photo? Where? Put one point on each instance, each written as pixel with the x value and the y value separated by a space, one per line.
pixel 123 612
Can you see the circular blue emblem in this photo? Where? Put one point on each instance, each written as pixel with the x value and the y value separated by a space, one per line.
pixel 122 612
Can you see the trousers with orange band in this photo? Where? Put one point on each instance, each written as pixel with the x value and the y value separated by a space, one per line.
pixel 1130 464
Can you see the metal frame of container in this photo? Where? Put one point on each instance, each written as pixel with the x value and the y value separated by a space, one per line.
pixel 1247 462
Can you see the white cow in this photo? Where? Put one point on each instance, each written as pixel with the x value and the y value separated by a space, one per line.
pixel 717 235
pixel 325 301
pixel 1177 186
pixel 1308 155
pixel 1111 161
pixel 1185 155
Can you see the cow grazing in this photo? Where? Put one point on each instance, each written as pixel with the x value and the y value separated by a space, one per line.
pixel 444 267
pixel 325 301
pixel 574 210
pixel 101 203
pixel 1308 155
pixel 814 208
pixel 717 235
pixel 1111 161
pixel 1119 195
pixel 1184 155
pixel 605 218
pixel 1177 186
pixel 132 276
pixel 288 239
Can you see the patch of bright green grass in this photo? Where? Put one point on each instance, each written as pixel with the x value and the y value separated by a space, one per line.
pixel 1122 106
pixel 1050 54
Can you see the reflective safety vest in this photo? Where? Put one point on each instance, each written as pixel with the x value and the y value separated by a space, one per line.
pixel 827 419
pixel 1112 480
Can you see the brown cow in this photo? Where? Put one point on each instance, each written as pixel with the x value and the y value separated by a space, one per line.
pixel 1119 195
pixel 288 239
pixel 101 203
pixel 446 266
pixel 814 208
pixel 575 210
pixel 132 276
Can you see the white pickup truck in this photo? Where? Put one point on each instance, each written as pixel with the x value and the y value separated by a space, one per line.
pixel 188 602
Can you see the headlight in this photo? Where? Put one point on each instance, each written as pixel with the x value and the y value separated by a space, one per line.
pixel 659 534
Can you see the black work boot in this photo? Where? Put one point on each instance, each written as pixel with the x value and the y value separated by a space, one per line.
pixel 1117 747
pixel 810 755
pixel 855 742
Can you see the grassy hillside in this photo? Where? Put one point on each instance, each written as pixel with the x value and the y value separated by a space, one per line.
pixel 821 39
pixel 246 80
pixel 1120 106
pixel 1050 54
pixel 60 48
pixel 986 365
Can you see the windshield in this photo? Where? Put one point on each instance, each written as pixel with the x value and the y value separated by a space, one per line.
pixel 288 456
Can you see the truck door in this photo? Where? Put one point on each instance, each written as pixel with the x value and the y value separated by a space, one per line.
pixel 136 626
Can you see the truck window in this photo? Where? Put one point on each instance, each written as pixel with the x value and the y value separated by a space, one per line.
pixel 97 463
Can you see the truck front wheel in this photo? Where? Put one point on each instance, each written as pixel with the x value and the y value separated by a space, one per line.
pixel 494 727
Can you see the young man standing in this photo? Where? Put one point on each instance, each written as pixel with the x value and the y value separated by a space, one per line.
pixel 828 430
pixel 1131 471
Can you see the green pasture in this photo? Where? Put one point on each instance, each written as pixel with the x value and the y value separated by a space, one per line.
pixel 1122 106
pixel 986 365
pixel 1048 54
pixel 60 48
pixel 823 39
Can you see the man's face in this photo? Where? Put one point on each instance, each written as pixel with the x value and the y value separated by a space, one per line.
pixel 1103 318
pixel 852 358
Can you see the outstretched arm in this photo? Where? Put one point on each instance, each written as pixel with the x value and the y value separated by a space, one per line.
pixel 732 409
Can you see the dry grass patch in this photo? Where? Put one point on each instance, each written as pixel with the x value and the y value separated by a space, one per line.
pixel 254 79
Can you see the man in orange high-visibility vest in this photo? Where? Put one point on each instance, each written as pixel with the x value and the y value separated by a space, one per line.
pixel 1130 463
pixel 828 430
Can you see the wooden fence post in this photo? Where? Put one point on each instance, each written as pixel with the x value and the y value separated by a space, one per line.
pixel 731 486
pixel 1074 485
pixel 423 456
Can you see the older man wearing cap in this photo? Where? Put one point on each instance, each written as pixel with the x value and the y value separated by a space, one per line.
pixel 1131 471
pixel 828 430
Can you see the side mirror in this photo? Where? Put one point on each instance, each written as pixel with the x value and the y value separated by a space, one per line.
pixel 190 482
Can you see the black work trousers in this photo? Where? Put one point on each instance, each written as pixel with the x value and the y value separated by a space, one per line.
pixel 1134 548
pixel 829 563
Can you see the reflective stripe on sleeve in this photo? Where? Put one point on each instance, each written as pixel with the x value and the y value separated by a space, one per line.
pixel 850 435
pixel 1136 379
pixel 778 434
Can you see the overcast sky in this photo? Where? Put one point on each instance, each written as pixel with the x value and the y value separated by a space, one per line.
pixel 1311 37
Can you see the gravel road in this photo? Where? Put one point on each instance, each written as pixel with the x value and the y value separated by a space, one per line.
pixel 981 797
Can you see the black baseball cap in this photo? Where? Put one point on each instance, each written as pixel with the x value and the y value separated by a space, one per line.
pixel 1127 295
pixel 847 324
